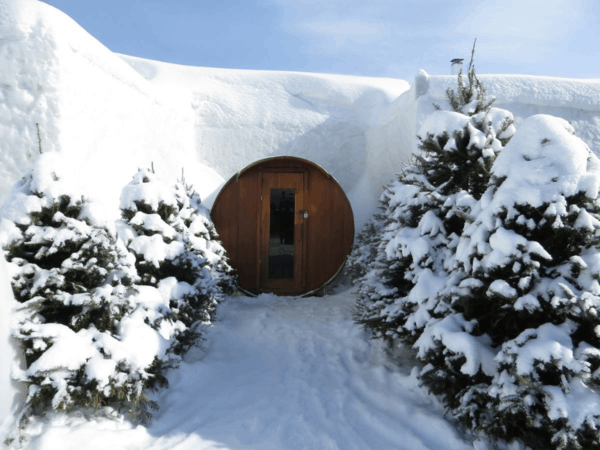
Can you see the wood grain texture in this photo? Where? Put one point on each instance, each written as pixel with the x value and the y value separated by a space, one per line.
pixel 248 221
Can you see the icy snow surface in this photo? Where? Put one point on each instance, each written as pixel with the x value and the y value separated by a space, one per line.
pixel 277 373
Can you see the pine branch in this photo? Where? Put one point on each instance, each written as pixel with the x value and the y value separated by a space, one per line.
pixel 37 125
pixel 472 56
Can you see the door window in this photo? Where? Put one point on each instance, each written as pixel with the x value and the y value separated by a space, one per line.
pixel 281 238
pixel 281 231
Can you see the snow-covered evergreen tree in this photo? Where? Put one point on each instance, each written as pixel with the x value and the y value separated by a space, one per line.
pixel 74 281
pixel 177 251
pixel 518 353
pixel 365 250
pixel 424 212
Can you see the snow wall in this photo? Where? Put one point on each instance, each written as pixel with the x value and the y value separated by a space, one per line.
pixel 244 116
pixel 575 100
pixel 85 101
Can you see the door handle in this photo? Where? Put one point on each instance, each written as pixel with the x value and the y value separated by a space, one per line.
pixel 304 213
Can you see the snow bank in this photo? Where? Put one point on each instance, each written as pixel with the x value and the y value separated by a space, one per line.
pixel 336 121
pixel 390 142
pixel 88 104
pixel 530 90
pixel 111 114
pixel 28 90
pixel 577 101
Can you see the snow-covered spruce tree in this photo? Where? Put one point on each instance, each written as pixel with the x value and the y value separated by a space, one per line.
pixel 73 279
pixel 177 251
pixel 365 250
pixel 518 357
pixel 424 213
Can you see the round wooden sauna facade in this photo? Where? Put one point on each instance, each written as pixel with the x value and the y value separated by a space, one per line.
pixel 286 224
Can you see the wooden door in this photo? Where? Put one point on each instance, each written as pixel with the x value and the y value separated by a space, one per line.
pixel 282 232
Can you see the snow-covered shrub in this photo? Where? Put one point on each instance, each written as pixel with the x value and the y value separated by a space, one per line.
pixel 176 250
pixel 73 279
pixel 404 263
pixel 365 250
pixel 518 354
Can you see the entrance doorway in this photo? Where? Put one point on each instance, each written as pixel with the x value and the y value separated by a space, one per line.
pixel 282 231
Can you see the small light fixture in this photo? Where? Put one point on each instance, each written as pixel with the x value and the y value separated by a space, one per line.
pixel 456 66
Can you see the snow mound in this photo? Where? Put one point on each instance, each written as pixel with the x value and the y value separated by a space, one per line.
pixel 544 160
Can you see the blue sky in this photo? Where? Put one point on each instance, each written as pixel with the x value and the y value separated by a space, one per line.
pixel 380 38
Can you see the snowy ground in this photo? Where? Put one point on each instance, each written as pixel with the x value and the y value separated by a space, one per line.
pixel 278 373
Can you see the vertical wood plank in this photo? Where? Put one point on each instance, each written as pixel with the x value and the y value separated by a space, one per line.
pixel 267 180
pixel 320 234
pixel 297 180
pixel 259 229
pixel 248 222
pixel 305 234
pixel 225 216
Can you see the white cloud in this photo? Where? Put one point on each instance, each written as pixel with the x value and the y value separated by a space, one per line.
pixel 540 20
pixel 354 30
pixel 513 36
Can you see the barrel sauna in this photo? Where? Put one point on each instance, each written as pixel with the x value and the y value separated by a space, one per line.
pixel 286 224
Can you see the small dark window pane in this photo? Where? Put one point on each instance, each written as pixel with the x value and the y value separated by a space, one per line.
pixel 281 238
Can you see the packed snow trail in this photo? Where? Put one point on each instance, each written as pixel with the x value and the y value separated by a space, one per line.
pixel 277 373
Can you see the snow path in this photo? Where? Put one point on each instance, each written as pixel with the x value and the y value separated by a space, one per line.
pixel 277 373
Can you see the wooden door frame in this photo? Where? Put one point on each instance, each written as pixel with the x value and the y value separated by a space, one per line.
pixel 295 285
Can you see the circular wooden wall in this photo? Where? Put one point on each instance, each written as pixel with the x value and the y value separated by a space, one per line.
pixel 323 225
